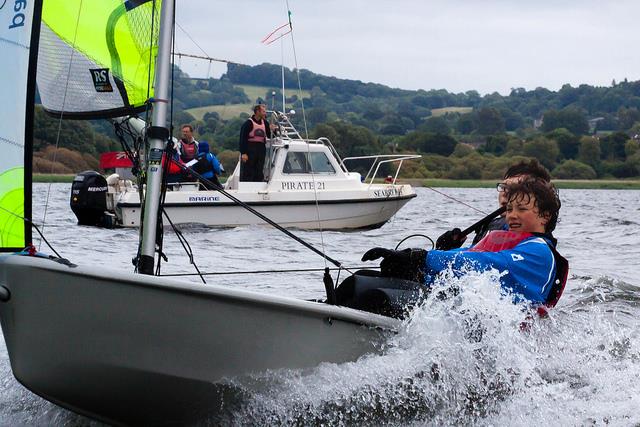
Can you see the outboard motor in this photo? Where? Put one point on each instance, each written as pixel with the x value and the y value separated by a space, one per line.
pixel 89 198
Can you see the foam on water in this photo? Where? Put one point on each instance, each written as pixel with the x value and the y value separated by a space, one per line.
pixel 467 360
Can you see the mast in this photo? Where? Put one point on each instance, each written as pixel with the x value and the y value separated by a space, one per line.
pixel 158 134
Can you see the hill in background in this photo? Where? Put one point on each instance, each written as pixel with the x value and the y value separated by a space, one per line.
pixel 583 132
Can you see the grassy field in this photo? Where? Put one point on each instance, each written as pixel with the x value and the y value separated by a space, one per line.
pixel 230 111
pixel 442 111
pixel 48 177
pixel 226 112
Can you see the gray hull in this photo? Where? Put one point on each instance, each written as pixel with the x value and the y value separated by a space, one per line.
pixel 134 349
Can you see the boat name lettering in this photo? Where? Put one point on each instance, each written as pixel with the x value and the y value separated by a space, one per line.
pixel 204 198
pixel 97 189
pixel 303 185
pixel 18 18
pixel 388 192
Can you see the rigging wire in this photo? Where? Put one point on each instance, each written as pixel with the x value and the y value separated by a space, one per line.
pixel 33 224
pixel 266 219
pixel 295 270
pixel 306 131
pixel 59 130
pixel 185 245
pixel 457 200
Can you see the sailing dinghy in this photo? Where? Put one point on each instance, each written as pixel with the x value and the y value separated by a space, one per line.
pixel 131 348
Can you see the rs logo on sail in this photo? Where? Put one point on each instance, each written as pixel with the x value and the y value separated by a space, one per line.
pixel 18 18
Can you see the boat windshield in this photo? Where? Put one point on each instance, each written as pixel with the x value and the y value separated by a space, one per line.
pixel 303 162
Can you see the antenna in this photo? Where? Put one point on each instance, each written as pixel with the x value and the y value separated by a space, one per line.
pixel 284 108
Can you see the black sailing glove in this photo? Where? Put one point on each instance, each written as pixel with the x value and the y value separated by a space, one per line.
pixel 452 239
pixel 407 264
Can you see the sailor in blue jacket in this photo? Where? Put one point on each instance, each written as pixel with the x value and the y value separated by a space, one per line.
pixel 534 269
pixel 208 166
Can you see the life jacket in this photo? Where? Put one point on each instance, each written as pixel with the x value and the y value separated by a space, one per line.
pixel 174 168
pixel 203 166
pixel 500 240
pixel 258 132
pixel 188 150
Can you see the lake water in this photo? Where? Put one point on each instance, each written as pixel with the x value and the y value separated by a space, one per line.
pixel 579 367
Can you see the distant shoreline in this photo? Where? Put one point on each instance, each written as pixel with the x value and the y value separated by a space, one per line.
pixel 598 184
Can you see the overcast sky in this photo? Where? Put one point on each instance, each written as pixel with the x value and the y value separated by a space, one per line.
pixel 458 45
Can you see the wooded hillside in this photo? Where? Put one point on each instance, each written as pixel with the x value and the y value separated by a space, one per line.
pixel 584 132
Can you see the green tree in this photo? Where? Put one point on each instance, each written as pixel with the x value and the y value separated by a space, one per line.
pixel 496 144
pixel 435 125
pixel 490 121
pixel 429 143
pixel 462 150
pixel 568 143
pixel 631 147
pixel 589 151
pixel 627 117
pixel 467 123
pixel 348 139
pixel 613 146
pixel 573 169
pixel 571 119
pixel 543 149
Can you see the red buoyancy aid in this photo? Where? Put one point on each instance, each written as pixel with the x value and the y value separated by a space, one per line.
pixel 500 240
pixel 174 168
pixel 258 132
pixel 188 150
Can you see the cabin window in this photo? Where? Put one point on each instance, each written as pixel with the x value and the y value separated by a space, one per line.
pixel 303 162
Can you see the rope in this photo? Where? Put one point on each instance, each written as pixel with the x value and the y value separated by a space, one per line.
pixel 297 270
pixel 306 130
pixel 185 245
pixel 30 221
pixel 456 200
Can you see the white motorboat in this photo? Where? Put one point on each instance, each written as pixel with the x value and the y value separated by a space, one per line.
pixel 134 348
pixel 307 186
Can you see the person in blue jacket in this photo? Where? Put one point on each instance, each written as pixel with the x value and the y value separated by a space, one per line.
pixel 526 251
pixel 517 172
pixel 208 166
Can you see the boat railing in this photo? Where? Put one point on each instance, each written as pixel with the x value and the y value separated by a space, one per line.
pixel 288 132
pixel 379 160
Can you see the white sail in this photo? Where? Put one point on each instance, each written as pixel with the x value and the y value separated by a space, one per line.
pixel 16 109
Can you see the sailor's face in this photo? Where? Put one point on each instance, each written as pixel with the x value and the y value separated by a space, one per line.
pixel 523 215
pixel 502 194
pixel 186 133
pixel 261 113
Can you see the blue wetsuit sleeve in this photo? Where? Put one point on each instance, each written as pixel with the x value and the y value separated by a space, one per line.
pixel 530 266
pixel 215 163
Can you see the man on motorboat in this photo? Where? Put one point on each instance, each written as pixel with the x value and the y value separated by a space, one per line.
pixel 188 146
pixel 534 270
pixel 253 138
